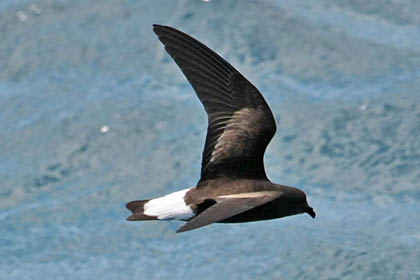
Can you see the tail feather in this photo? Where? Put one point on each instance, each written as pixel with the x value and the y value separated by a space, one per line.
pixel 137 209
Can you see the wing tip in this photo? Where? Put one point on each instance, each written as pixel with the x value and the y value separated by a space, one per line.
pixel 183 228
pixel 157 26
pixel 180 230
pixel 160 29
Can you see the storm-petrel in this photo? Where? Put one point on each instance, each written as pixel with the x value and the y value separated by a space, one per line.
pixel 233 187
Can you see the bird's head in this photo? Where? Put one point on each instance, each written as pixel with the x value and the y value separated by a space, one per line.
pixel 297 199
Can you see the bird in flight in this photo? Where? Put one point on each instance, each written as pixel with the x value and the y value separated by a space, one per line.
pixel 233 186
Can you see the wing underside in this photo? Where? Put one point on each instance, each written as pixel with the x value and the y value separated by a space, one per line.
pixel 229 206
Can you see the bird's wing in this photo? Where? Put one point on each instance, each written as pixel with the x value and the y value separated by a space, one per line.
pixel 228 206
pixel 240 123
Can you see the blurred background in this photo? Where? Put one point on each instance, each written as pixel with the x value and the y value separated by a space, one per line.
pixel 94 113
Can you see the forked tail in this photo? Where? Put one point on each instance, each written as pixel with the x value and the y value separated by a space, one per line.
pixel 137 208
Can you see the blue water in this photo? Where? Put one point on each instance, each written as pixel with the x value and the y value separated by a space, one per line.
pixel 94 113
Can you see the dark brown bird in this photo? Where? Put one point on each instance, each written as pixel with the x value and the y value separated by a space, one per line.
pixel 233 187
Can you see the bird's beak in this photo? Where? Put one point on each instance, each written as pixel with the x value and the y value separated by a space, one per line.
pixel 310 211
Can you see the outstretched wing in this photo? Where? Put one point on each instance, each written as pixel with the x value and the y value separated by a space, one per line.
pixel 240 122
pixel 229 206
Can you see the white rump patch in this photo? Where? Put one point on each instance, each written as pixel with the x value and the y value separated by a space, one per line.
pixel 169 207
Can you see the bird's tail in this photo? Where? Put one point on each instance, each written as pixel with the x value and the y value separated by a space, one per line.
pixel 137 208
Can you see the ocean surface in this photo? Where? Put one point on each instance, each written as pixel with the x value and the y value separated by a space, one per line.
pixel 94 113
